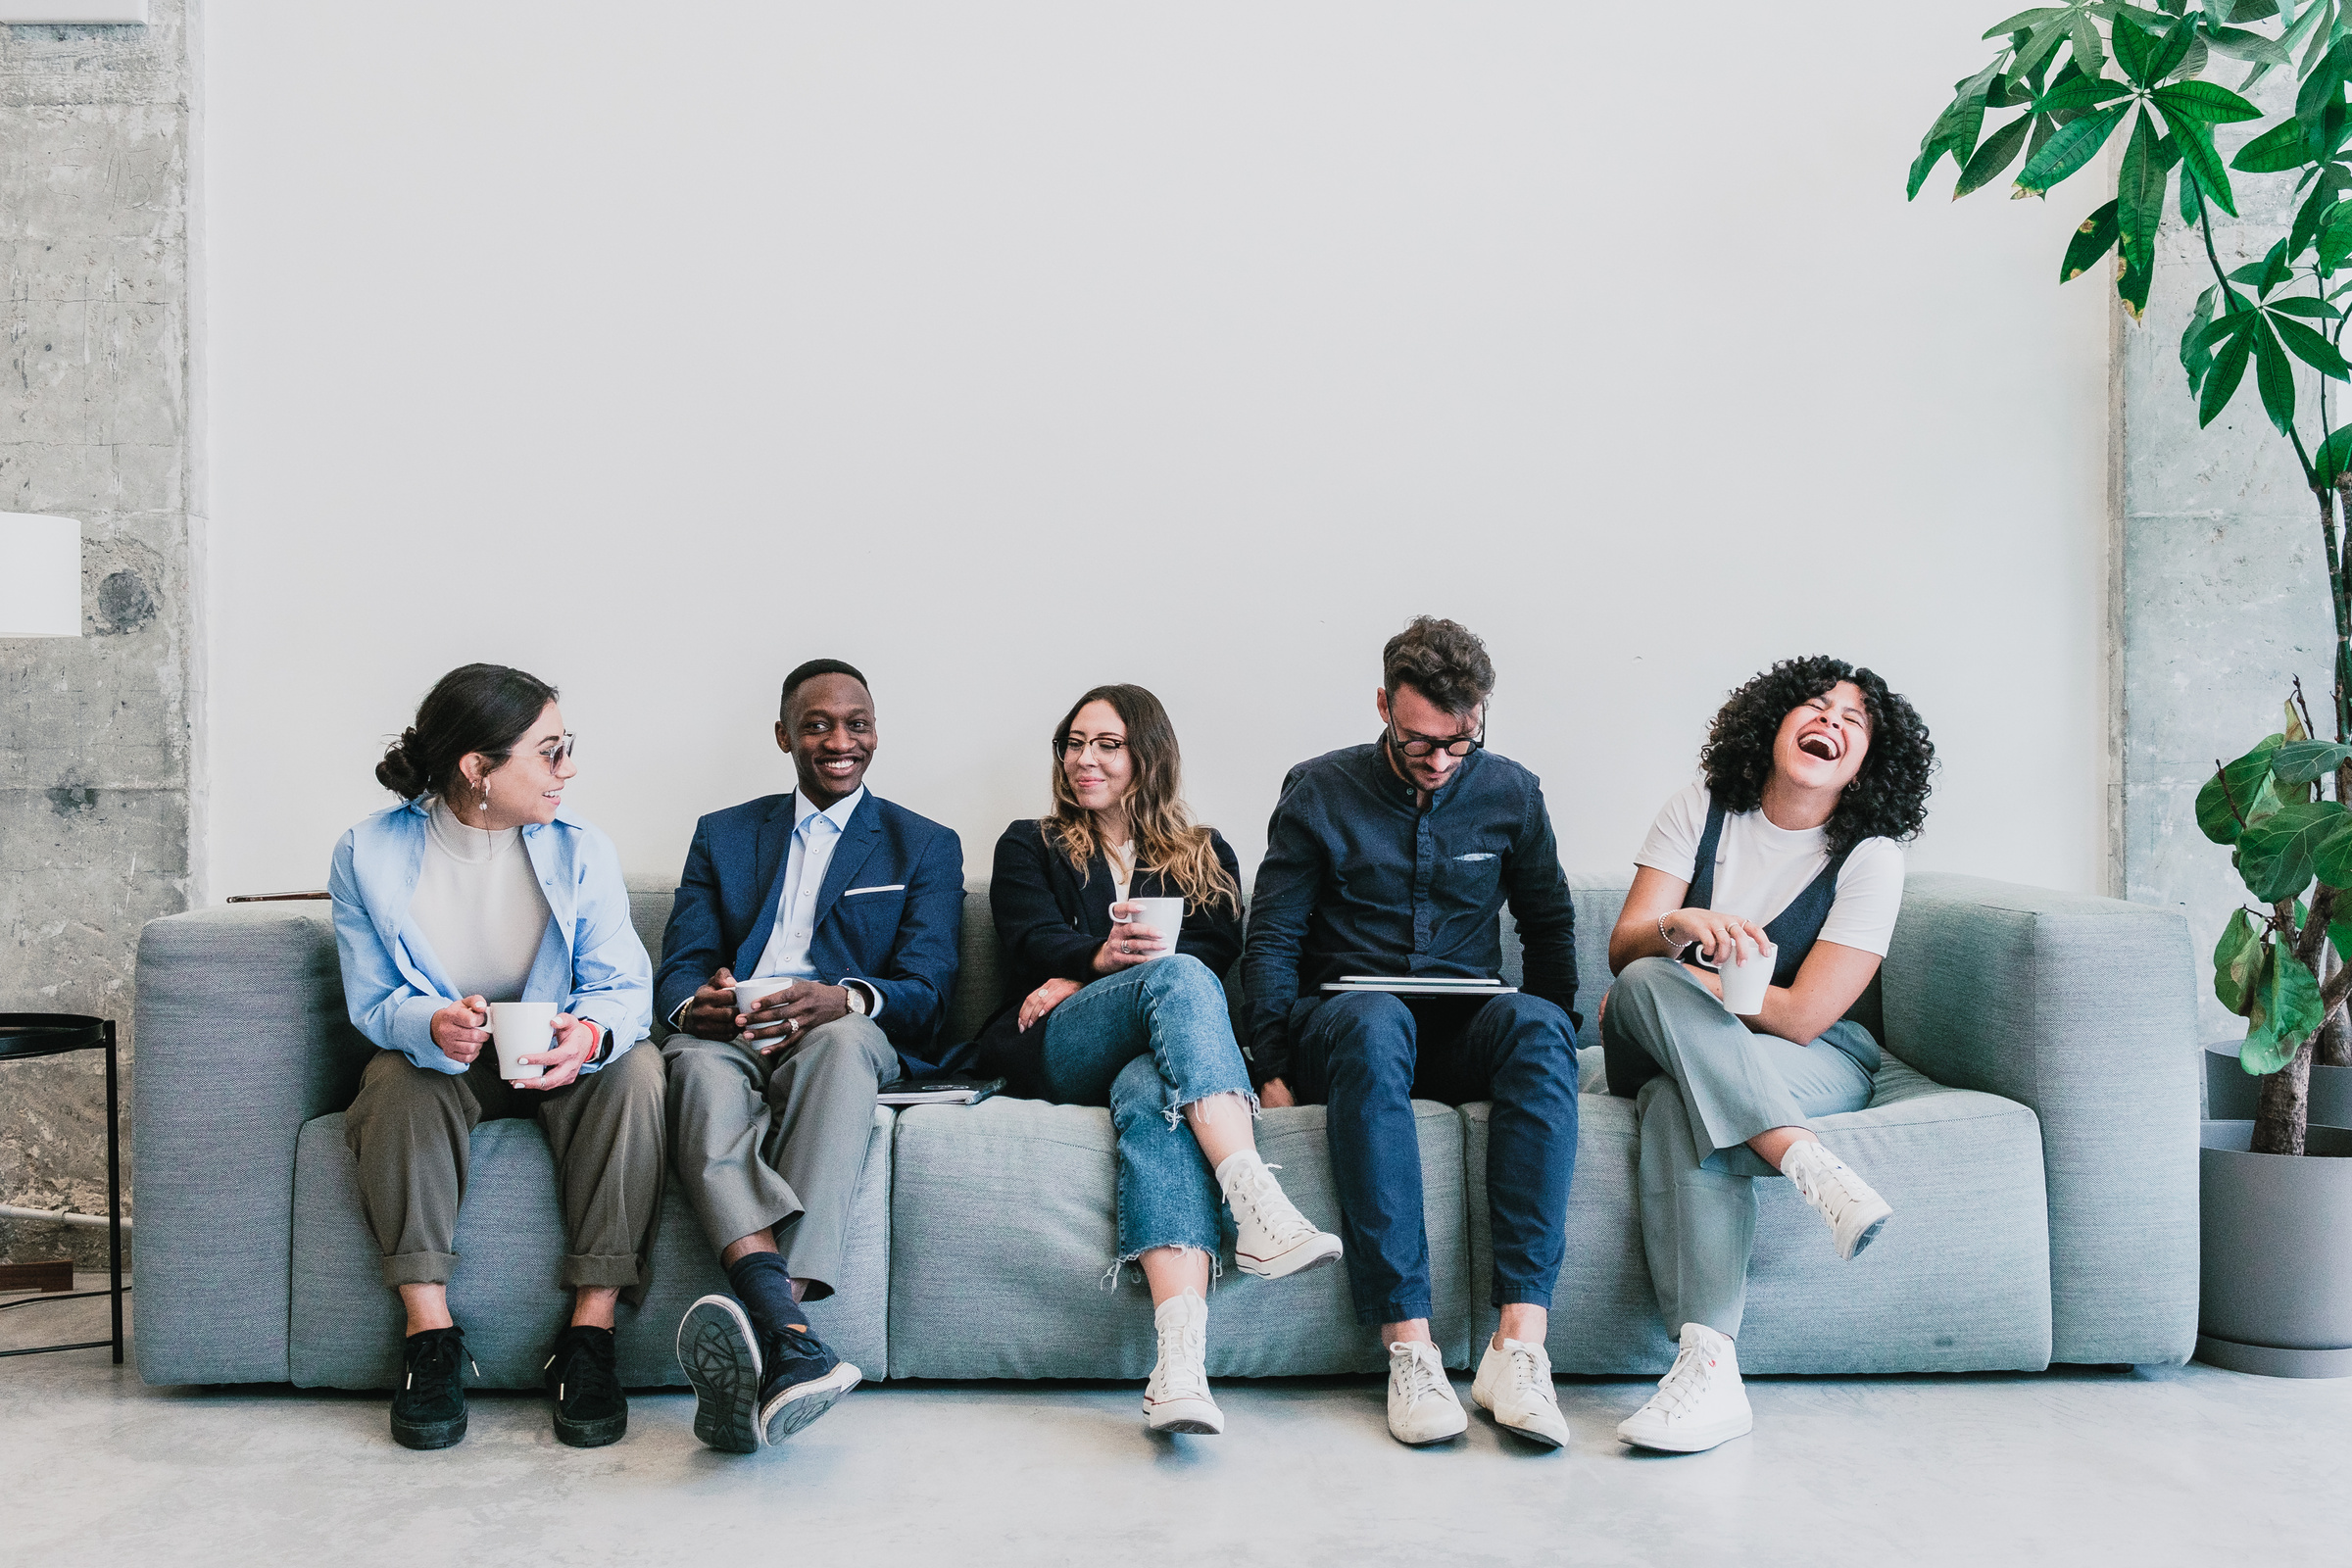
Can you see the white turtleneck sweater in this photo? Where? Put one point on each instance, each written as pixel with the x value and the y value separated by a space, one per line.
pixel 477 901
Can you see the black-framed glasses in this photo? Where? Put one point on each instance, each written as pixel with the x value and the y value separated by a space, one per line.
pixel 1108 745
pixel 1422 745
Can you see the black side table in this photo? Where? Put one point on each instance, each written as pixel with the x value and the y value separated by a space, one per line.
pixel 26 1035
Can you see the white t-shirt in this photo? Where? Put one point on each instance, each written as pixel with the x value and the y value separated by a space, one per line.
pixel 478 904
pixel 1121 860
pixel 1760 869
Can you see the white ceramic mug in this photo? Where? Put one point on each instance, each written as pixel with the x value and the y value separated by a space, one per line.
pixel 523 1029
pixel 749 993
pixel 1163 915
pixel 1746 974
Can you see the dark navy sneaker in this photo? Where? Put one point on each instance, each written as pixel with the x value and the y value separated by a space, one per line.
pixel 585 1382
pixel 429 1410
pixel 804 1379
pixel 721 1356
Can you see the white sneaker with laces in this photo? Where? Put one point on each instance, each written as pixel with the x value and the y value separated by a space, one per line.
pixel 1854 1210
pixel 1176 1399
pixel 1700 1403
pixel 1272 1238
pixel 1514 1385
pixel 1422 1406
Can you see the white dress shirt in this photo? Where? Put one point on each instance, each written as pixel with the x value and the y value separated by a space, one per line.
pixel 815 836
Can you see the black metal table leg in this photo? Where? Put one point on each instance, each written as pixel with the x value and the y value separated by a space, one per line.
pixel 113 1190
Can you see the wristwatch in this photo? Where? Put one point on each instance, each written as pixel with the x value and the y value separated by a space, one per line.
pixel 857 993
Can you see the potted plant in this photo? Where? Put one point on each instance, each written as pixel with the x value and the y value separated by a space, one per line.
pixel 2075 78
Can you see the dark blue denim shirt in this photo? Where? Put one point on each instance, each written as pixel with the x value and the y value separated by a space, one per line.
pixel 1360 878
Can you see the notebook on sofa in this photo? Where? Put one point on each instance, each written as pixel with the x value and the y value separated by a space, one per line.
pixel 1419 985
pixel 945 1090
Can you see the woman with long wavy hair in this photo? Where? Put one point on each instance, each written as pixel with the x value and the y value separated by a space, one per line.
pixel 1790 847
pixel 1104 1009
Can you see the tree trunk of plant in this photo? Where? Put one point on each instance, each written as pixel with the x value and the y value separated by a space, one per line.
pixel 2335 1036
pixel 2279 1115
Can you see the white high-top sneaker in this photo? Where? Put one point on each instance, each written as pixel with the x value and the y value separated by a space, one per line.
pixel 1176 1399
pixel 1272 1238
pixel 1422 1406
pixel 1698 1405
pixel 1855 1211
pixel 1514 1385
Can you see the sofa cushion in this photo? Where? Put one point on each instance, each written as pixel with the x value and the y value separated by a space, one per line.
pixel 1003 1230
pixel 1958 1281
pixel 345 1326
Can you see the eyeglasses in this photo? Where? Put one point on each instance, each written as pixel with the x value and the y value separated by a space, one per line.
pixel 1065 746
pixel 1421 746
pixel 561 751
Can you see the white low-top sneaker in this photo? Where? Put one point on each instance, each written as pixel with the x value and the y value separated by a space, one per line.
pixel 1700 1403
pixel 1854 1210
pixel 1514 1385
pixel 1271 1239
pixel 1176 1399
pixel 1422 1406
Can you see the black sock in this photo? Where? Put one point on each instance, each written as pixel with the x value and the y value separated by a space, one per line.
pixel 764 1288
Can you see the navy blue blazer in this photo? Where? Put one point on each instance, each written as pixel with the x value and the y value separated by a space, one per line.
pixel 890 912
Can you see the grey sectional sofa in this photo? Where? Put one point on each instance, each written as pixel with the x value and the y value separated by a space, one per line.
pixel 2034 1126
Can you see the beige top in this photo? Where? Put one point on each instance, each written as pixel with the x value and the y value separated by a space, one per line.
pixel 479 907
pixel 1121 859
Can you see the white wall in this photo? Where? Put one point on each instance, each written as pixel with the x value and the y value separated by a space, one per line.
pixel 1007 348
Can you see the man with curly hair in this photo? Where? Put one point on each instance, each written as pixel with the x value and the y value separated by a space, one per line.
pixel 1787 853
pixel 1394 860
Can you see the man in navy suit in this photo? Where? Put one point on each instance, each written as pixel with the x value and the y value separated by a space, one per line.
pixel 854 906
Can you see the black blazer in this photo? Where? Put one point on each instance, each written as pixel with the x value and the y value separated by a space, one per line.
pixel 1048 926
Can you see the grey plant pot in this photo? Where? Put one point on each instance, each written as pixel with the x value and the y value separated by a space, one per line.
pixel 2276 1267
pixel 2230 1091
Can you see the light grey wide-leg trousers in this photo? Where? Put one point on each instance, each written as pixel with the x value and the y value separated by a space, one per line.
pixel 779 1142
pixel 1720 1085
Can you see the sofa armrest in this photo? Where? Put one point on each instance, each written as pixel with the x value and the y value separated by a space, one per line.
pixel 2084 1009
pixel 241 1037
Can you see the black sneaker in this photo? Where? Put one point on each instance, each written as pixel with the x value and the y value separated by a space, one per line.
pixel 803 1380
pixel 585 1384
pixel 721 1356
pixel 429 1410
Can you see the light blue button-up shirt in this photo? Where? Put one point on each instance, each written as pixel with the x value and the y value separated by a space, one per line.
pixel 815 836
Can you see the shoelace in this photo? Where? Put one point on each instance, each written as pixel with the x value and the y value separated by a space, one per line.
pixel 1269 1206
pixel 585 1372
pixel 1183 1360
pixel 438 1360
pixel 1527 1376
pixel 1414 1377
pixel 792 1343
pixel 1684 1381
pixel 1819 1186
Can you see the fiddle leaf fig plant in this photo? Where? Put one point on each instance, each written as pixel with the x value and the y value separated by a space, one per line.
pixel 2063 83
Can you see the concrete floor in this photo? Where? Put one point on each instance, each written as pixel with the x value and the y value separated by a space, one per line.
pixel 2188 1465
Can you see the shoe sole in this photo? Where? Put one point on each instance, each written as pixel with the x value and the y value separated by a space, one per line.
pixel 1211 1425
pixel 804 1403
pixel 592 1434
pixel 427 1434
pixel 1530 1434
pixel 1696 1440
pixel 1290 1262
pixel 1870 1234
pixel 1435 1436
pixel 720 1358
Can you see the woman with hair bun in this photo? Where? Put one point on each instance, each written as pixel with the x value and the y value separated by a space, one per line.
pixel 1101 1008
pixel 479 889
pixel 1814 775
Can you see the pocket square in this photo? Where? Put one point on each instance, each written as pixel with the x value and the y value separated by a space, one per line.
pixel 894 887
pixel 1474 856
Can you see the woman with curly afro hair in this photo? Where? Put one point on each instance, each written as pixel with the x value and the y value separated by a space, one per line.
pixel 1786 853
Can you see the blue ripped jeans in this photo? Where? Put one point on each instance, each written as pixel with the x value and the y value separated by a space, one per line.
pixel 1147 1042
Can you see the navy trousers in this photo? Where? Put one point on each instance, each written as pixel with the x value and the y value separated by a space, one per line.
pixel 1367 1055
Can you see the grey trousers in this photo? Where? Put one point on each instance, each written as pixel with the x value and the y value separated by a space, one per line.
pixel 1721 1086
pixel 411 1132
pixel 779 1142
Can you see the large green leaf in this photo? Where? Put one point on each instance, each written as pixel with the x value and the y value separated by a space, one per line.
pixel 2093 240
pixel 2276 853
pixel 2172 51
pixel 2304 305
pixel 2203 101
pixel 2230 792
pixel 2081 92
pixel 2237 959
pixel 2286 1009
pixel 2140 194
pixel 2275 151
pixel 2310 218
pixel 2334 455
pixel 2076 144
pixel 2041 14
pixel 2221 382
pixel 2085 35
pixel 2195 142
pixel 2275 377
pixel 1998 152
pixel 2254 9
pixel 2195 357
pixel 2239 44
pixel 2134 49
pixel 2301 762
pixel 2311 349
pixel 2331 862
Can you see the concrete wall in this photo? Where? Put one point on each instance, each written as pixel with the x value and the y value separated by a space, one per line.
pixel 2223 575
pixel 97 759
pixel 1007 349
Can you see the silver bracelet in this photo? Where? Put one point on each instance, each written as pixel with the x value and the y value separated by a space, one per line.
pixel 1670 944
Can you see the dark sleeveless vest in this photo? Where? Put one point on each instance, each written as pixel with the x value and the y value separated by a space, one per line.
pixel 1795 929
